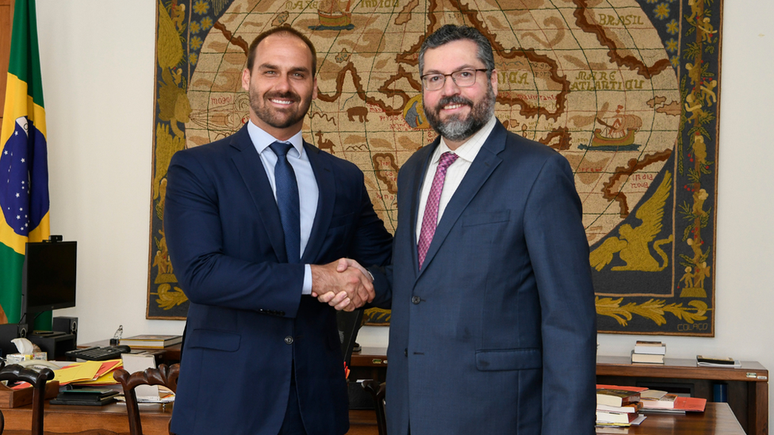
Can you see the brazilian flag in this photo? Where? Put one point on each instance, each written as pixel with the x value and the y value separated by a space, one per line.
pixel 23 163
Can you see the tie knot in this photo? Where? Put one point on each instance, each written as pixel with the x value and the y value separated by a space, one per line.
pixel 280 148
pixel 447 159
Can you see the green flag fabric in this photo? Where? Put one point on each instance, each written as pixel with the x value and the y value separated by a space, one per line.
pixel 24 197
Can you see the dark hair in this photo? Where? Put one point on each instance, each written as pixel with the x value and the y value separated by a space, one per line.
pixel 450 33
pixel 280 29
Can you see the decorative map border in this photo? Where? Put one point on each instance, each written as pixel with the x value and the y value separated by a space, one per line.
pixel 676 300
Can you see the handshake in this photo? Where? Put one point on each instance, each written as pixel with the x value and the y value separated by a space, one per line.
pixel 343 284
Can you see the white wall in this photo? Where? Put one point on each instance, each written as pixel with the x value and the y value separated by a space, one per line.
pixel 98 61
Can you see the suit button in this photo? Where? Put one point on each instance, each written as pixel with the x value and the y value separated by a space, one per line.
pixel 405 352
pixel 415 300
pixel 288 340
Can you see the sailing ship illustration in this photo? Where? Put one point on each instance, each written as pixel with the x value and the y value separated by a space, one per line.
pixel 334 15
pixel 618 133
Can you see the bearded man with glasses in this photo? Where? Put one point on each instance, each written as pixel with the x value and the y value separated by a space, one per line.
pixel 493 318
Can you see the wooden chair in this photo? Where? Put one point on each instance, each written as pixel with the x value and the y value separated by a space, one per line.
pixel 17 373
pixel 377 391
pixel 349 324
pixel 163 375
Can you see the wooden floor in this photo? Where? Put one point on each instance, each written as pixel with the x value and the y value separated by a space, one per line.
pixel 362 422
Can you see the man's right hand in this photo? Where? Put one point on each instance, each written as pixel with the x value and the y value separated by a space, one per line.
pixel 343 284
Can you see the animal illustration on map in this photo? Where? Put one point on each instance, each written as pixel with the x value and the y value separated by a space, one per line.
pixel 324 144
pixel 359 111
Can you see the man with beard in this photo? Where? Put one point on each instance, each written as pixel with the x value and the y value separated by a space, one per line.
pixel 255 224
pixel 493 319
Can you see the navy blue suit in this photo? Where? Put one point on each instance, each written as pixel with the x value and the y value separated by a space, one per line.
pixel 248 322
pixel 496 334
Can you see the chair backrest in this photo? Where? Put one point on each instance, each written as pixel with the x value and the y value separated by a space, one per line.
pixel 377 391
pixel 17 373
pixel 163 375
pixel 348 324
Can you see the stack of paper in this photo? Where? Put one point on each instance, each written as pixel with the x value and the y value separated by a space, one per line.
pixel 618 405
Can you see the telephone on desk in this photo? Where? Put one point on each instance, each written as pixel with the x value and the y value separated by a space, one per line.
pixel 38 364
pixel 99 353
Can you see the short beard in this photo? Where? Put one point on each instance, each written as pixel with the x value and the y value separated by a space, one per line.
pixel 271 117
pixel 456 129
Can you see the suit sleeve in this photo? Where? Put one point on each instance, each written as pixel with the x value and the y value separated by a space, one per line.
pixel 559 254
pixel 207 273
pixel 372 244
pixel 382 287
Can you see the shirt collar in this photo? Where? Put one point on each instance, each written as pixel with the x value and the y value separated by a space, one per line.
pixel 261 139
pixel 468 150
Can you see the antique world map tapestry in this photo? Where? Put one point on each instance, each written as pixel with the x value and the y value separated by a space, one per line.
pixel 626 90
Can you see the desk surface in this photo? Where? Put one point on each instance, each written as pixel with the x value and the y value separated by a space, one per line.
pixel 686 368
pixel 718 419
pixel 109 419
pixel 680 368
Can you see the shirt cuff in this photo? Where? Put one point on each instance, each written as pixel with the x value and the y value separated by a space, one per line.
pixel 307 289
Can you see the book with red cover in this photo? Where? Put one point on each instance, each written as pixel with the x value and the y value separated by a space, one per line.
pixel 690 404
pixel 679 404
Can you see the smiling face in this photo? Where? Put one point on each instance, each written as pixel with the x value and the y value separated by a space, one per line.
pixel 457 113
pixel 281 85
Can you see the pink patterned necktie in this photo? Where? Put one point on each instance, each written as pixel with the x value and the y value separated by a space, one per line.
pixel 430 218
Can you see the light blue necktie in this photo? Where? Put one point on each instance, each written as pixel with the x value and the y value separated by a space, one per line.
pixel 287 201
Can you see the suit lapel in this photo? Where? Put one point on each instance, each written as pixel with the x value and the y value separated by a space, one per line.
pixel 326 183
pixel 250 167
pixel 480 170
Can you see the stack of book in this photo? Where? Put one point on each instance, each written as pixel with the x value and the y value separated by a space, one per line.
pixel 649 352
pixel 618 406
pixel 662 400
pixel 623 406
pixel 151 341
pixel 668 402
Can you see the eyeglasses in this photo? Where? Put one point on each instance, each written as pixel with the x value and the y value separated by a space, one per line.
pixel 462 78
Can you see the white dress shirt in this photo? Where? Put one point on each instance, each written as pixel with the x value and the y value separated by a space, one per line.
pixel 466 153
pixel 308 191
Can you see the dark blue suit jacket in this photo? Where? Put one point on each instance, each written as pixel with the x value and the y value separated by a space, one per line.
pixel 247 319
pixel 496 334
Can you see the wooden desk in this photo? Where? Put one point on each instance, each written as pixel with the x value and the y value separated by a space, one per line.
pixel 748 386
pixel 717 419
pixel 369 363
pixel 103 420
